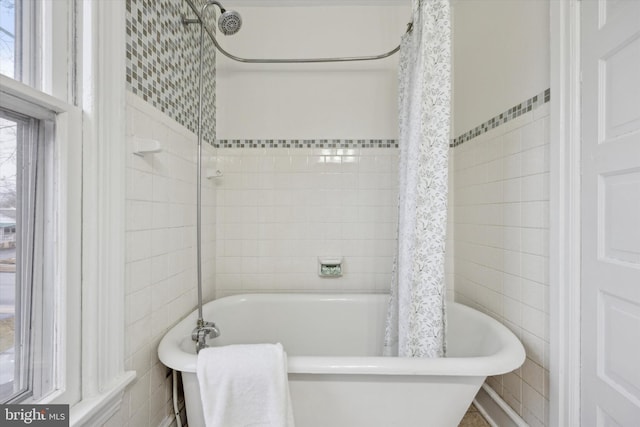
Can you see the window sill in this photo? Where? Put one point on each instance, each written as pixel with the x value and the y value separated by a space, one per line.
pixel 97 410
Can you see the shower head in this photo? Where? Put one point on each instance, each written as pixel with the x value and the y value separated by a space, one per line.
pixel 229 22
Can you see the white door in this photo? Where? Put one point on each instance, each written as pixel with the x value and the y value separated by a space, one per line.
pixel 610 326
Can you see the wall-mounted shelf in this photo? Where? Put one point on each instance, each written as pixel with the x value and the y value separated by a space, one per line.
pixel 142 146
pixel 211 173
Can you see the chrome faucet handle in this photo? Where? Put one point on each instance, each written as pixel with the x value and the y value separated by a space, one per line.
pixel 212 329
pixel 201 331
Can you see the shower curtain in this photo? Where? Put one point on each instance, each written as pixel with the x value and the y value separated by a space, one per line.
pixel 415 320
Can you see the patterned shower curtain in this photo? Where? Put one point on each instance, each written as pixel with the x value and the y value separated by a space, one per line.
pixel 415 320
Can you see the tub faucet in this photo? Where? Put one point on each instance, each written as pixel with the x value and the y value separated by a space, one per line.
pixel 201 331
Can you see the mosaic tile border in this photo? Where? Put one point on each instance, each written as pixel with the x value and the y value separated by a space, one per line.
pixel 306 143
pixel 510 114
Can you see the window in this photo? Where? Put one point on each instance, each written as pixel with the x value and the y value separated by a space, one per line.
pixel 48 86
pixel 37 37
pixel 38 128
pixel 26 333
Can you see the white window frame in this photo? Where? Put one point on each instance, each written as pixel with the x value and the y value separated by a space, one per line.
pixel 36 274
pixel 564 229
pixel 102 77
pixel 46 46
pixel 63 197
pixel 88 69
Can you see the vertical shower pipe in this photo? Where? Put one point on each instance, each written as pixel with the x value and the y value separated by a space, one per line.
pixel 200 323
pixel 202 329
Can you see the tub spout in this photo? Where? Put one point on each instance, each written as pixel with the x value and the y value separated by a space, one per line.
pixel 202 331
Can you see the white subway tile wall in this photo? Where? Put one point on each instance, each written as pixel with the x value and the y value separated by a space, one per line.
pixel 280 209
pixel 161 254
pixel 501 221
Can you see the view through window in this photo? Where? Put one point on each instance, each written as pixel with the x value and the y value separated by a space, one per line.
pixel 9 384
pixel 8 192
pixel 8 38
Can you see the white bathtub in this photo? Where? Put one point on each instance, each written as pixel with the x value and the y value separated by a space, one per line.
pixel 337 375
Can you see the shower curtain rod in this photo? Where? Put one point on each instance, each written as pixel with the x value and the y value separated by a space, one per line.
pixel 199 19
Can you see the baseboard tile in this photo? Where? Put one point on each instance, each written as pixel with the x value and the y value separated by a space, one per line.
pixel 495 410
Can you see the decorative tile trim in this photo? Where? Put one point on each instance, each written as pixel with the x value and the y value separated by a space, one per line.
pixel 306 143
pixel 510 114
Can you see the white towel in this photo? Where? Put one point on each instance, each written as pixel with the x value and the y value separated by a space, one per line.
pixel 245 385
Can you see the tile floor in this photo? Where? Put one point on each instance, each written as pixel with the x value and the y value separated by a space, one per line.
pixel 473 418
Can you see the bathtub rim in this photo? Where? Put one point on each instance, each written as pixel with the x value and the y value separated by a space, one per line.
pixel 507 358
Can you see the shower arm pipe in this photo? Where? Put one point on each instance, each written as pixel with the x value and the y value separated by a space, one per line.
pixel 199 19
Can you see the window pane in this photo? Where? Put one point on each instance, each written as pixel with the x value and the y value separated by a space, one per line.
pixel 8 38
pixel 11 345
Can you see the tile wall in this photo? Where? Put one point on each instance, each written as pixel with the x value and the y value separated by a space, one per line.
pixel 160 254
pixel 279 209
pixel 501 221
pixel 163 61
pixel 162 58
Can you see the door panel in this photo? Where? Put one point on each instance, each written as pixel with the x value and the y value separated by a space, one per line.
pixel 610 211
